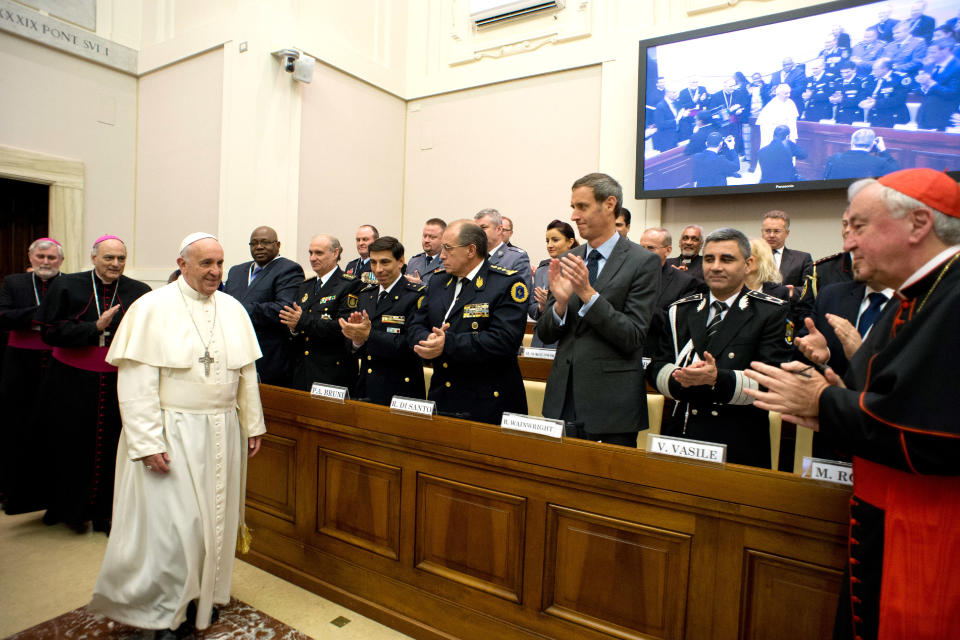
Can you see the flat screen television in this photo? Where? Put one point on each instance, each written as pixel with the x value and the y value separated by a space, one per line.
pixel 809 99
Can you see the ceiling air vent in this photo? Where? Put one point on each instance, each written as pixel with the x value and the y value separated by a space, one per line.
pixel 488 12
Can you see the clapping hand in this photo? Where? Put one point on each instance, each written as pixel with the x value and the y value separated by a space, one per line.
pixel 356 327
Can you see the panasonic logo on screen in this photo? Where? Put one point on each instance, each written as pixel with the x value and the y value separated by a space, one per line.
pixel 785 186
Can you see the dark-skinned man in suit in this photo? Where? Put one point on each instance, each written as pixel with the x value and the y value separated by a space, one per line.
pixel 264 286
pixel 602 297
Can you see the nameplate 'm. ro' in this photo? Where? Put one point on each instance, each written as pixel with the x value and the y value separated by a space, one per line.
pixel 827 470
pixel 537 352
pixel 329 392
pixel 683 448
pixel 412 405
pixel 532 424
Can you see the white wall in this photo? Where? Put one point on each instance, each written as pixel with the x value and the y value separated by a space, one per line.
pixel 351 161
pixel 178 159
pixel 515 146
pixel 57 104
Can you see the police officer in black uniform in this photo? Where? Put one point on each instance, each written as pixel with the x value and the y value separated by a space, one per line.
pixel 470 325
pixel 713 337
pixel 816 93
pixel 321 353
pixel 378 329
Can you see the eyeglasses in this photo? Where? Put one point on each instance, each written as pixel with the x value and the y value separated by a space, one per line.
pixel 262 243
pixel 450 247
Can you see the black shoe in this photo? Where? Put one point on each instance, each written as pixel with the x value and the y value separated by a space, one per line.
pixel 79 527
pixel 192 613
pixel 102 525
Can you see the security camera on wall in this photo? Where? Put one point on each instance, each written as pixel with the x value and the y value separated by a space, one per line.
pixel 300 65
pixel 303 69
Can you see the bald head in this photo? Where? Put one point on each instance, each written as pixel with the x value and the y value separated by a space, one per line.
pixel 264 246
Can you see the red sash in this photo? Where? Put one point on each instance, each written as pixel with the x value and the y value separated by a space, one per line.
pixel 27 340
pixel 920 592
pixel 86 358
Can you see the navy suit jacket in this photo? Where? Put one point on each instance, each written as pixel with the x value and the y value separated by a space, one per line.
pixel 711 169
pixel 942 99
pixel 272 289
pixel 776 161
pixel 841 299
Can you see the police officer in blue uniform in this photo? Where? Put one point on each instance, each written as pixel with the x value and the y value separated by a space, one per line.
pixel 470 326
pixel 378 329
pixel 886 100
pixel 320 352
pixel 848 92
pixel 421 267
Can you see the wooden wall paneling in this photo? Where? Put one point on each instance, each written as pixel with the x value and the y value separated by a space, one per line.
pixel 471 535
pixel 272 476
pixel 615 576
pixel 358 501
pixel 702 590
pixel 787 599
pixel 476 512
pixel 723 607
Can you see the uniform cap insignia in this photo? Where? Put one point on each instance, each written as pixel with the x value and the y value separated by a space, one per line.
pixel 519 292
pixel 352 301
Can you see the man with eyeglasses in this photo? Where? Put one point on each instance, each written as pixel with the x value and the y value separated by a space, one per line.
pixel 264 286
pixel 470 325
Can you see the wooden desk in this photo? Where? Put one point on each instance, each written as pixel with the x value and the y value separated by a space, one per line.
pixel 451 529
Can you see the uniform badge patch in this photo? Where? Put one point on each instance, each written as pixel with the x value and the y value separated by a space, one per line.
pixel 479 282
pixel 393 319
pixel 352 301
pixel 304 298
pixel 519 292
pixel 326 299
pixel 790 332
pixel 744 301
pixel 474 325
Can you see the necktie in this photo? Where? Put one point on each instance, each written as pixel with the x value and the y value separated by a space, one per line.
pixel 714 325
pixel 877 300
pixel 593 265
pixel 256 272
pixel 456 294
pixel 426 262
pixel 876 89
pixel 381 298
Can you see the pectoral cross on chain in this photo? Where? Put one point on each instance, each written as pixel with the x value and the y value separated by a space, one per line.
pixel 206 361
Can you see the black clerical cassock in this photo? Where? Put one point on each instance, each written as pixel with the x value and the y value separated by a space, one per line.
pixel 82 388
pixel 25 468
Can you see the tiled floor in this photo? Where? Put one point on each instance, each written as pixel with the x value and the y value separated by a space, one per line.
pixel 47 571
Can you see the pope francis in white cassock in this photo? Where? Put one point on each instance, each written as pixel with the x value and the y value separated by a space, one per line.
pixel 190 404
